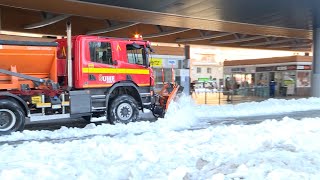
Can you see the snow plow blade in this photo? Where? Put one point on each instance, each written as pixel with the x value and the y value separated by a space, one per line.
pixel 172 96
pixel 168 93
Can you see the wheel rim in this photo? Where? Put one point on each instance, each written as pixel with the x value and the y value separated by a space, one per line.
pixel 124 111
pixel 7 119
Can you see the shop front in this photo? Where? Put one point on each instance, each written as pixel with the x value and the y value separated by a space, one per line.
pixel 288 79
pixel 242 79
pixel 271 77
pixel 241 76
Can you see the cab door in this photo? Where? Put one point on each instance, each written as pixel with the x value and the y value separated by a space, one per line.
pixel 136 64
pixel 101 68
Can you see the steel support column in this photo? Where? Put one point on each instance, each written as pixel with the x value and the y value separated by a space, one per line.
pixel 315 86
pixel 185 71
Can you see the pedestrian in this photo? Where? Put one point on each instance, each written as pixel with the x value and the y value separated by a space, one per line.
pixel 228 88
pixel 272 88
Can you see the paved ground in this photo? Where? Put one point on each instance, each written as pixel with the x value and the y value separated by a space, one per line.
pixel 200 98
pixel 57 124
pixel 208 122
pixel 247 120
pixel 244 120
pixel 210 98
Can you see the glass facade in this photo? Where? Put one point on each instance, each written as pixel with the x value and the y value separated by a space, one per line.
pixel 270 81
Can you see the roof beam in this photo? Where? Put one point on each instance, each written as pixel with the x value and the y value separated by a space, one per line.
pixel 203 37
pixel 238 40
pixel 202 33
pixel 111 28
pixel 243 36
pixel 0 18
pixel 93 10
pixel 268 43
pixel 291 45
pixel 165 33
pixel 108 22
pixel 159 28
pixel 301 49
pixel 47 22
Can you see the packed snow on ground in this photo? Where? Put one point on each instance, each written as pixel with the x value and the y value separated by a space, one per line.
pixel 168 149
pixel 269 106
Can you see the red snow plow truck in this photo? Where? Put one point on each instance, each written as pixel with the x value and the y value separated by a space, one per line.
pixel 80 76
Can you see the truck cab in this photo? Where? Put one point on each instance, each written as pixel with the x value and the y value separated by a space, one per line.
pixel 110 67
pixel 101 62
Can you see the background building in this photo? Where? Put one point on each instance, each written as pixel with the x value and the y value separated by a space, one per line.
pixel 166 62
pixel 290 75
pixel 206 63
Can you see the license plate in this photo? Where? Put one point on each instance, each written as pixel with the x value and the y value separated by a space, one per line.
pixel 56 106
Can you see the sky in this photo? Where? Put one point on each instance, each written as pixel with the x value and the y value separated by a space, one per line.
pixel 183 145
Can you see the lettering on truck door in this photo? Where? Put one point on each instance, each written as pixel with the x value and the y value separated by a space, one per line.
pixel 101 71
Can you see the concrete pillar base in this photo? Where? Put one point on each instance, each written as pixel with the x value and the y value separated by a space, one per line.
pixel 315 85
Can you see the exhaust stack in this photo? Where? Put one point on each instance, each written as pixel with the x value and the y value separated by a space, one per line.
pixel 69 47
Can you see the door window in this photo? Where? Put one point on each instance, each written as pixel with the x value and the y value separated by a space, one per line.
pixel 100 52
pixel 136 54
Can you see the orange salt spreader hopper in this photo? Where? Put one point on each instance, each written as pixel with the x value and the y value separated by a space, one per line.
pixel 26 64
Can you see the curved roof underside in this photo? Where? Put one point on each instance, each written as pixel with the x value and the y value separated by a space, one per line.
pixel 272 24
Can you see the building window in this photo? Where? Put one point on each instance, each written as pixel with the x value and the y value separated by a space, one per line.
pixel 100 52
pixel 208 70
pixel 198 70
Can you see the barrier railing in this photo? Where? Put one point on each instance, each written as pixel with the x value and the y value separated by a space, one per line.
pixel 222 96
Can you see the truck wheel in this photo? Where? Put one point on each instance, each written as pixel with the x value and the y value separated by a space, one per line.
pixel 12 117
pixel 123 109
pixel 87 118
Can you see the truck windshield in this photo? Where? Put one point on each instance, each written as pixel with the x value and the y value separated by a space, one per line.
pixel 136 54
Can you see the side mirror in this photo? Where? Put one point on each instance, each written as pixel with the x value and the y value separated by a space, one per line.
pixel 145 56
pixel 151 50
pixel 115 62
pixel 137 46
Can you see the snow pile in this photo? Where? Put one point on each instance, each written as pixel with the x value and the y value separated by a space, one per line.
pixel 266 107
pixel 269 150
pixel 180 114
pixel 270 106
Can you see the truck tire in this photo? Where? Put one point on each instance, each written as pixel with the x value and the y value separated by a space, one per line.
pixel 87 118
pixel 123 109
pixel 12 117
